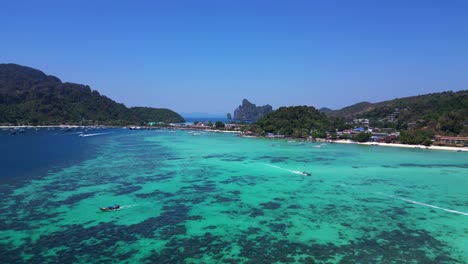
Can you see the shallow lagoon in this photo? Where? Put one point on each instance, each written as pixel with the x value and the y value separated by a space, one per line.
pixel 212 198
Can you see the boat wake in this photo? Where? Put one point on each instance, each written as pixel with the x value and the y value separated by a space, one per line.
pixel 95 134
pixel 291 171
pixel 128 206
pixel 423 204
pixel 75 133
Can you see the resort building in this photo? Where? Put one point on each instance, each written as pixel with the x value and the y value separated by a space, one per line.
pixel 450 141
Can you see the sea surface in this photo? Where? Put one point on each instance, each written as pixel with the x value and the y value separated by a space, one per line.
pixel 196 197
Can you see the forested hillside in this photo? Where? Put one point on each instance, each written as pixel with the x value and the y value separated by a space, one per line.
pixel 445 113
pixel 28 96
pixel 296 121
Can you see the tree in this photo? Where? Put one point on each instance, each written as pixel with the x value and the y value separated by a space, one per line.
pixel 219 124
pixel 361 137
pixel 417 137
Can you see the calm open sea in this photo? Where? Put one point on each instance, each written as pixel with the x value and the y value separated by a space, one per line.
pixel 195 197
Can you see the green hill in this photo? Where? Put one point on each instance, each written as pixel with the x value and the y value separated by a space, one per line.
pixel 28 96
pixel 149 114
pixel 325 110
pixel 444 113
pixel 296 121
pixel 352 110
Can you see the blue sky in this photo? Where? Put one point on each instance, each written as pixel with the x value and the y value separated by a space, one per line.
pixel 206 56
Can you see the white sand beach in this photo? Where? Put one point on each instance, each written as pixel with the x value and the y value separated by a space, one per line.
pixel 464 149
pixel 221 131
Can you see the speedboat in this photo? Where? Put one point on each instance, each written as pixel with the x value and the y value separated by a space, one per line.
pixel 306 173
pixel 110 208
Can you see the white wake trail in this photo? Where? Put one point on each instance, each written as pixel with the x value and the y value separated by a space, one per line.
pixel 128 206
pixel 423 204
pixel 95 134
pixel 277 167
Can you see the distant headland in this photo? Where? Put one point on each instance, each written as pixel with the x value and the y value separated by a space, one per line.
pixel 30 97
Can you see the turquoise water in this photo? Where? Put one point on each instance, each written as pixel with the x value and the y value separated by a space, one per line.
pixel 218 198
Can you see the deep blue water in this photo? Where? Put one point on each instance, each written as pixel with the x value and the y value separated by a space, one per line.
pixel 28 155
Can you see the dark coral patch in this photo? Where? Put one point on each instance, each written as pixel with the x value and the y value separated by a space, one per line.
pixel 127 190
pixel 155 193
pixel 270 205
pixel 77 198
pixel 256 212
pixel 277 227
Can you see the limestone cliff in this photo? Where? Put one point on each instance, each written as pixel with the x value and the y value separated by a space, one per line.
pixel 250 112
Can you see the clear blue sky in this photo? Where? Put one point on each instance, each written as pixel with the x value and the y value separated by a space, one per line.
pixel 206 56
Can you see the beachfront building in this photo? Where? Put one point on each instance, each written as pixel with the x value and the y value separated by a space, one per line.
pixel 359 129
pixel 273 135
pixel 377 137
pixel 234 127
pixel 384 137
pixel 451 141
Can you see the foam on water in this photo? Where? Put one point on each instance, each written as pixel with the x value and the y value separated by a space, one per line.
pixel 95 134
pixel 292 171
pixel 128 206
pixel 423 204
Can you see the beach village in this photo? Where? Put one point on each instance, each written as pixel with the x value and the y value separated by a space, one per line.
pixel 364 134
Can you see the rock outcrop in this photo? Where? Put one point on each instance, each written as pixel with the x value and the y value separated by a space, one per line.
pixel 250 112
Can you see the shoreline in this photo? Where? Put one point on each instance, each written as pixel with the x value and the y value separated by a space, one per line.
pixel 396 145
pixel 54 126
pixel 126 127
pixel 222 131
pixel 377 144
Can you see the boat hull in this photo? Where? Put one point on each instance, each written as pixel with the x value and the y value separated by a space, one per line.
pixel 109 209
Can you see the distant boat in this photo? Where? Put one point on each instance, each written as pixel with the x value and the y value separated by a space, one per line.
pixel 306 173
pixel 110 208
pixel 17 130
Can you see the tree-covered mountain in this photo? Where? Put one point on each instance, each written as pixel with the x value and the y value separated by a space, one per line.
pixel 444 113
pixel 28 96
pixel 352 110
pixel 149 114
pixel 325 110
pixel 296 121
